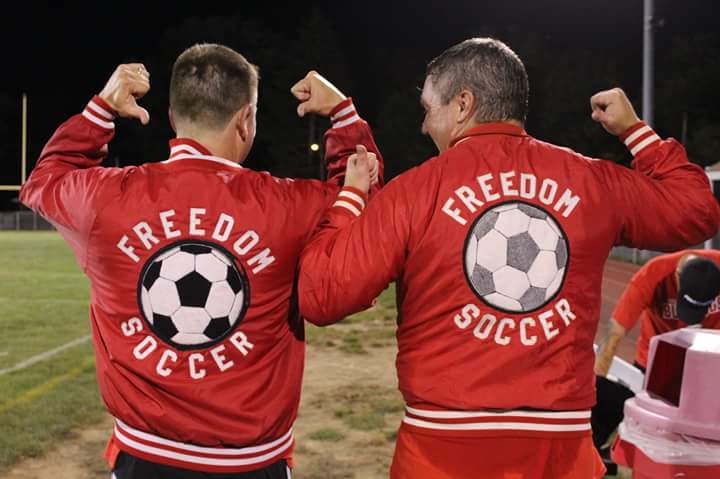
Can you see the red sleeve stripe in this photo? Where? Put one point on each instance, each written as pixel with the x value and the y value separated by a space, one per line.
pixel 637 126
pixel 347 122
pixel 100 111
pixel 340 106
pixel 343 112
pixel 90 116
pixel 353 198
pixel 344 116
pixel 348 206
pixel 650 140
pixel 641 136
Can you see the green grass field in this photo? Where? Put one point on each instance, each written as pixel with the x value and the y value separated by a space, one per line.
pixel 43 299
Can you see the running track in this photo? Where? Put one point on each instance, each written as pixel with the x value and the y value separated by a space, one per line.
pixel 615 278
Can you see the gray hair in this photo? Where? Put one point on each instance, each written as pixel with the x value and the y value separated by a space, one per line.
pixel 210 83
pixel 491 71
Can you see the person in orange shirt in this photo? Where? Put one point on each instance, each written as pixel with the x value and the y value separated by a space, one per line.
pixel 669 292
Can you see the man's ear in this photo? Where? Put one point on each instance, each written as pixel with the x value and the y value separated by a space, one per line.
pixel 243 120
pixel 466 104
pixel 172 120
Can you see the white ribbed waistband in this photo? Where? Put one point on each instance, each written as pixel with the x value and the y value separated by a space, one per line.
pixel 190 456
pixel 513 420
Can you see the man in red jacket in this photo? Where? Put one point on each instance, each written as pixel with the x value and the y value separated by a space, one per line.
pixel 199 348
pixel 497 248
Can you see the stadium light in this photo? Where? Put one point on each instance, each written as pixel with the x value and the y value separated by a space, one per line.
pixel 647 91
pixel 314 147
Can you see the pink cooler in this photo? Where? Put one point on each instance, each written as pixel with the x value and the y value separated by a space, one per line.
pixel 671 428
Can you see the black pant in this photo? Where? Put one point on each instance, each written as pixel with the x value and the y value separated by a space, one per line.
pixel 131 467
pixel 608 411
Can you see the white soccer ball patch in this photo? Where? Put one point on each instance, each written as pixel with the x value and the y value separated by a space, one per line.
pixel 515 257
pixel 193 294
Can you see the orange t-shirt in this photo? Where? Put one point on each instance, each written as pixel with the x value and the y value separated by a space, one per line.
pixel 651 296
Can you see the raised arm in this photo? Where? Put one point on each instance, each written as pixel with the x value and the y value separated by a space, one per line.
pixel 318 96
pixel 352 259
pixel 64 185
pixel 666 203
pixel 308 199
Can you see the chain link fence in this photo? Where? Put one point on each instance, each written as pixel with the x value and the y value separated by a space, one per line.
pixel 23 221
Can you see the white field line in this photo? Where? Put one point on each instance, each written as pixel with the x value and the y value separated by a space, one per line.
pixel 43 356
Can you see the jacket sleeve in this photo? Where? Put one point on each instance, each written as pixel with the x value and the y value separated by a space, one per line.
pixel 310 198
pixel 348 130
pixel 353 257
pixel 65 184
pixel 669 204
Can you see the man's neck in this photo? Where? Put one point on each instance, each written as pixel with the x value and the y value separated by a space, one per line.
pixel 463 130
pixel 474 124
pixel 214 142
pixel 517 123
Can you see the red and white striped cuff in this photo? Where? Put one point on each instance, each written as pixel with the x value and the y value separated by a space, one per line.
pixel 550 422
pixel 207 459
pixel 344 114
pixel 351 199
pixel 100 113
pixel 639 137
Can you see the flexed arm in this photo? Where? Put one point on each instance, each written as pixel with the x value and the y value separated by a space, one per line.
pixel 666 203
pixel 310 198
pixel 64 185
pixel 318 96
pixel 354 256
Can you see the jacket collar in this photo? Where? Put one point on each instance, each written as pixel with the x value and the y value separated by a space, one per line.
pixel 189 149
pixel 499 128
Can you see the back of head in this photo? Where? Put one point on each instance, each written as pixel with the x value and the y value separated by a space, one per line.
pixel 699 285
pixel 209 84
pixel 491 71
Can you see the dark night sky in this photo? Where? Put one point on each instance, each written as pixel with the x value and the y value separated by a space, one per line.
pixel 61 55
pixel 66 47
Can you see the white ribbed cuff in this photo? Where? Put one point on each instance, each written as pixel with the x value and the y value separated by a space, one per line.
pixel 640 137
pixel 98 114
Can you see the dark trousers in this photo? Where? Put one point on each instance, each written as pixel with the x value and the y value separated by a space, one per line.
pixel 131 467
pixel 608 411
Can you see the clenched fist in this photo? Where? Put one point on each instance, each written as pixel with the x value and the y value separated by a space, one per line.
pixel 613 110
pixel 128 84
pixel 316 95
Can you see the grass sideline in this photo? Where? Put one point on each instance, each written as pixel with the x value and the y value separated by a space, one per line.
pixel 44 298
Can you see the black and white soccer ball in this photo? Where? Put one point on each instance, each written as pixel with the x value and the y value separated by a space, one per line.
pixel 516 257
pixel 193 294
